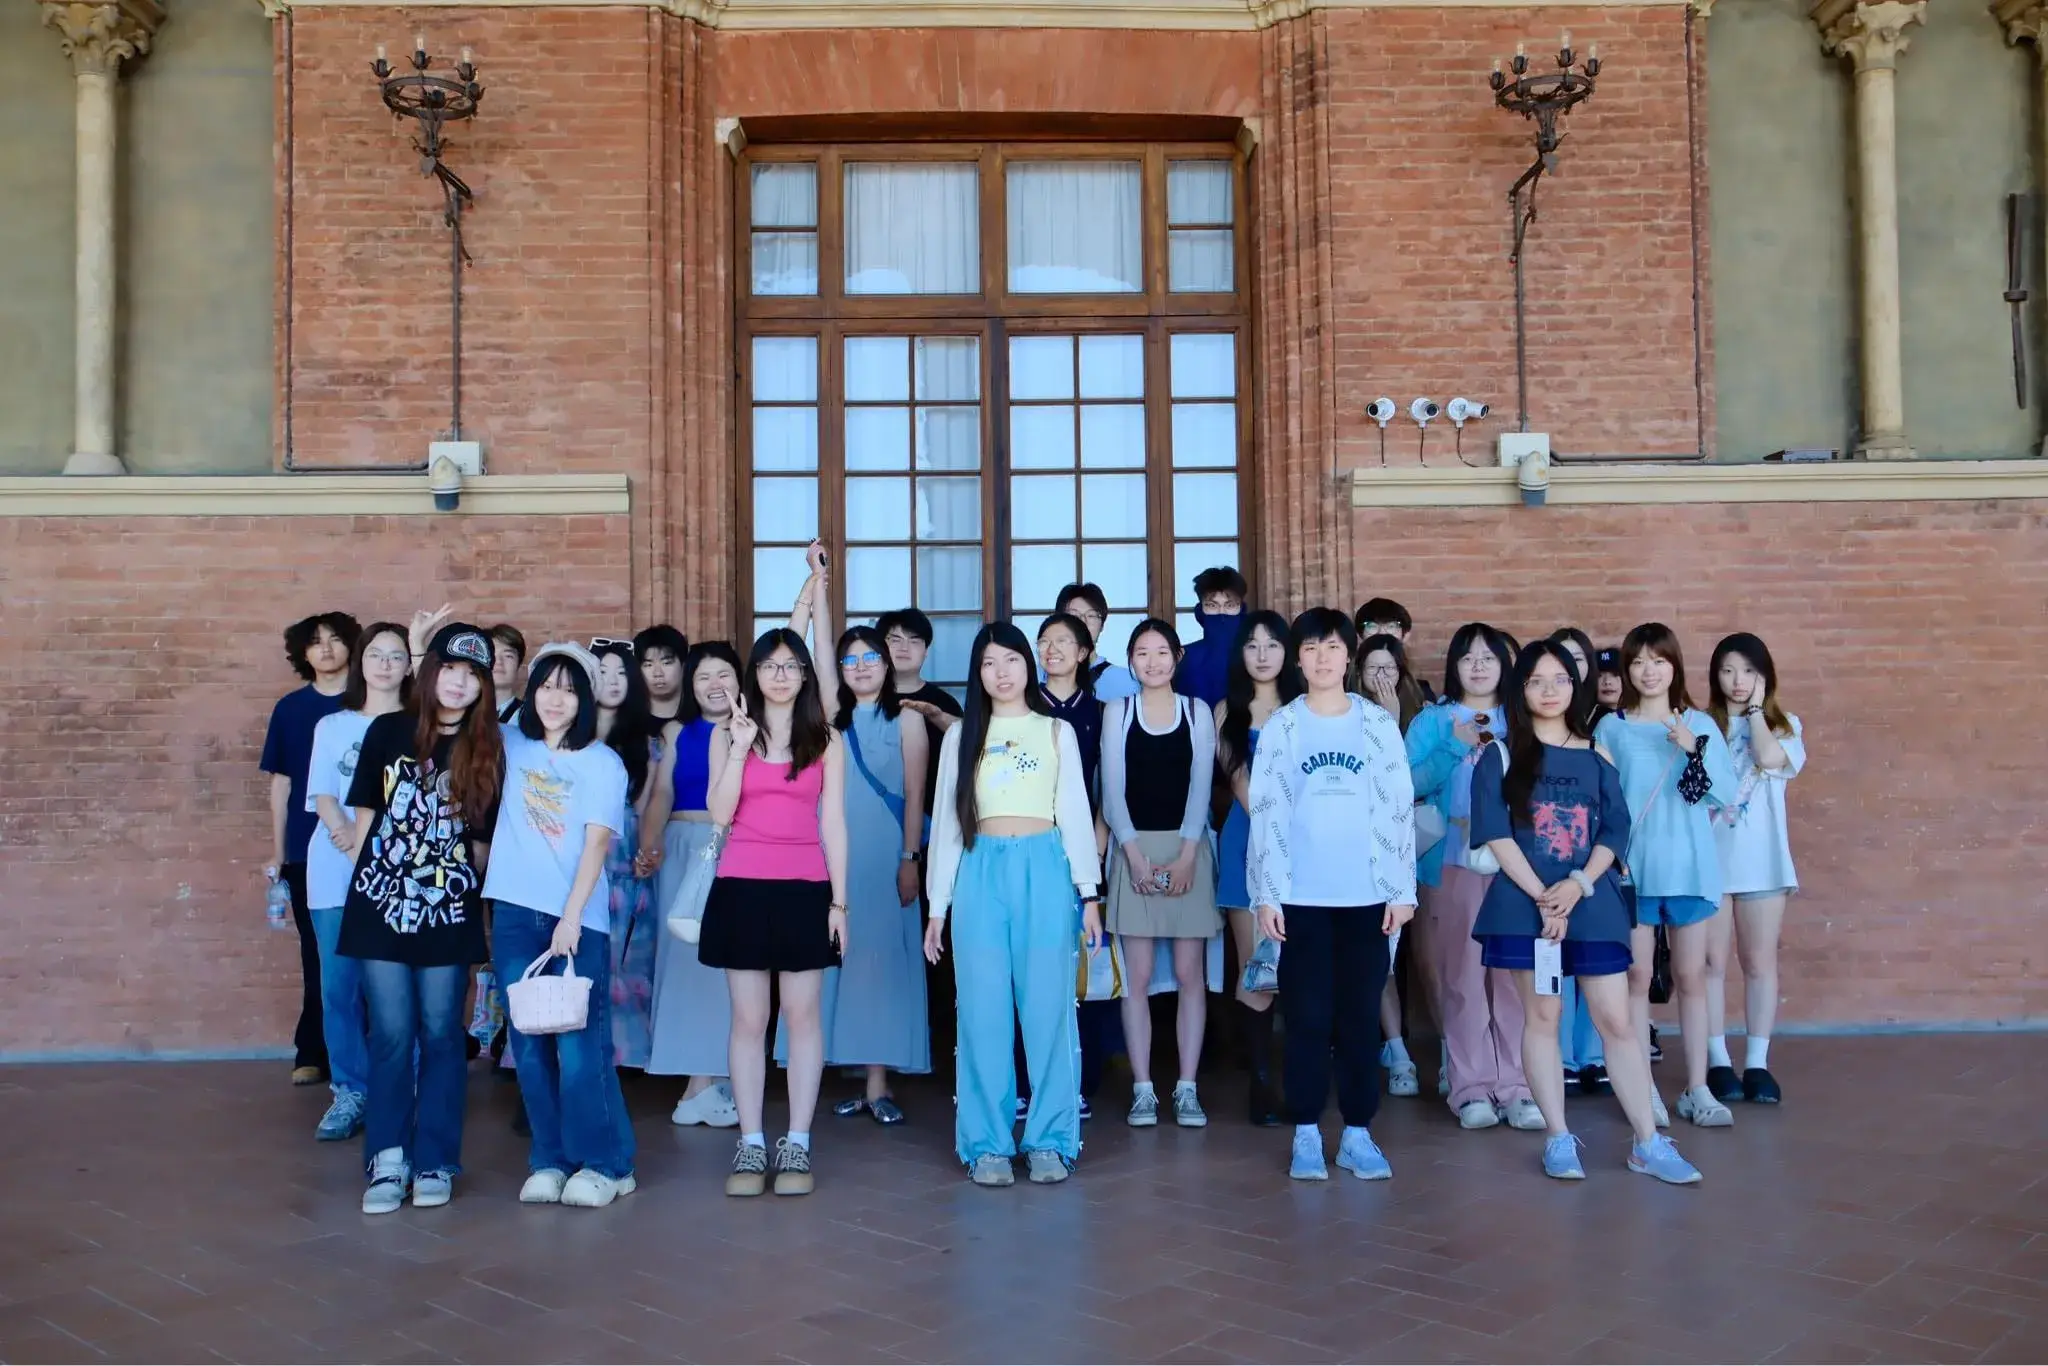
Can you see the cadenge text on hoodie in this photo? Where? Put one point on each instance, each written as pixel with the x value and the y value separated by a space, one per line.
pixel 1205 669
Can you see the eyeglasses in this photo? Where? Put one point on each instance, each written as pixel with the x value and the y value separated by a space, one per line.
pixel 604 642
pixel 386 657
pixel 856 661
pixel 783 669
pixel 1382 671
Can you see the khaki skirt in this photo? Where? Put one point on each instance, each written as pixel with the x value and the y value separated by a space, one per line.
pixel 1191 915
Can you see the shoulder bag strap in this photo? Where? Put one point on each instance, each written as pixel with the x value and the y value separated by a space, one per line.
pixel 1636 824
pixel 889 799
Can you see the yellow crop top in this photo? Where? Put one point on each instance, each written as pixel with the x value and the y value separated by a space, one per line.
pixel 1020 768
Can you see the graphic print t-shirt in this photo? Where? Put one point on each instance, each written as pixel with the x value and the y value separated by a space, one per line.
pixel 337 742
pixel 1333 814
pixel 416 897
pixel 551 797
pixel 1576 804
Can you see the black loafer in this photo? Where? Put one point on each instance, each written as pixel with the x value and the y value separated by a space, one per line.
pixel 1656 1049
pixel 1593 1080
pixel 1759 1087
pixel 1571 1080
pixel 1725 1085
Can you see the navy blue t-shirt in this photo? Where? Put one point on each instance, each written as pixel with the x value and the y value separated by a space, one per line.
pixel 288 749
pixel 1576 805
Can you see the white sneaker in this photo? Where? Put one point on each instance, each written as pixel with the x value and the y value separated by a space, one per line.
pixel 1699 1106
pixel 430 1190
pixel 544 1187
pixel 1402 1080
pixel 390 1178
pixel 713 1107
pixel 1525 1114
pixel 1657 1110
pixel 594 1190
pixel 1477 1114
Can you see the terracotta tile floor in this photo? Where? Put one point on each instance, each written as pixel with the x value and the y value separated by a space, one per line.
pixel 183 1213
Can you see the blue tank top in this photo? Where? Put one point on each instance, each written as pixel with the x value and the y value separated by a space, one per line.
pixel 693 765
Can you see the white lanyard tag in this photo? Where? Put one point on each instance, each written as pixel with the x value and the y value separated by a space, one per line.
pixel 1549 967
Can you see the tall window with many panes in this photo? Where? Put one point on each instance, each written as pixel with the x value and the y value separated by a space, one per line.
pixel 982 372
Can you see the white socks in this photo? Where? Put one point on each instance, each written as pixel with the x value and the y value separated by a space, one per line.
pixel 1394 1053
pixel 1717 1051
pixel 801 1140
pixel 1759 1051
pixel 1142 1088
pixel 754 1140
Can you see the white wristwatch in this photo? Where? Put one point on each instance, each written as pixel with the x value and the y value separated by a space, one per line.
pixel 1578 875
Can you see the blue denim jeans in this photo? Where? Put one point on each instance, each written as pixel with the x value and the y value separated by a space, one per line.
pixel 568 1082
pixel 416 1013
pixel 341 1007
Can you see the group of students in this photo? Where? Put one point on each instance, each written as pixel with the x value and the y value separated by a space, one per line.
pixel 1090 832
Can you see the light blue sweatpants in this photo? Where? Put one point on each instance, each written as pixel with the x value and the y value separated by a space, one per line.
pixel 1016 932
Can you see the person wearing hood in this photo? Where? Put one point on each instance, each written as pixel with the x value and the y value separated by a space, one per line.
pixel 1205 668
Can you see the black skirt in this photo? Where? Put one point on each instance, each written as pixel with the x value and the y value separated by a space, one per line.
pixel 767 925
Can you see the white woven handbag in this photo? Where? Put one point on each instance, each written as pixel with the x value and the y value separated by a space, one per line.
pixel 544 1004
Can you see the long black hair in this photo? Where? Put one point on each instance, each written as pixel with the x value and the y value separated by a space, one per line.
pixel 1462 641
pixel 809 734
pixel 1758 654
pixel 704 650
pixel 1407 692
pixel 1525 751
pixel 973 726
pixel 1589 692
pixel 1234 740
pixel 357 695
pixel 889 702
pixel 634 727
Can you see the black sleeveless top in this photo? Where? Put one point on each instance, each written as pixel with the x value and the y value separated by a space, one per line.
pixel 1156 772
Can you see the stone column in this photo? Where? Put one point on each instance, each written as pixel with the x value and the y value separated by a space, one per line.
pixel 2028 20
pixel 97 37
pixel 1872 35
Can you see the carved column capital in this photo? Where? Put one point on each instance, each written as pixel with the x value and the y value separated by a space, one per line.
pixel 1870 35
pixel 1703 8
pixel 98 35
pixel 2023 21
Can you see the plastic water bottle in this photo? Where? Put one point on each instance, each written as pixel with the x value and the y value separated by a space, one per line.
pixel 277 904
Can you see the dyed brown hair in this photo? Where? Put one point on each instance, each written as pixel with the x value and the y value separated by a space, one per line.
pixel 1654 637
pixel 476 763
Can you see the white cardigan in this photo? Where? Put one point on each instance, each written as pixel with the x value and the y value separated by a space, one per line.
pixel 1386 830
pixel 1071 816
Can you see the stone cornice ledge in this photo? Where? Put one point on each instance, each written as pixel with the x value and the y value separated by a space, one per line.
pixel 1197 15
pixel 307 495
pixel 1587 485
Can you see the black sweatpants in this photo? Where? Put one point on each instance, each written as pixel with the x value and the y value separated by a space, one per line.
pixel 1332 970
pixel 309 1040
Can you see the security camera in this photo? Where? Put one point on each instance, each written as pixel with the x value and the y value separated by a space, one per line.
pixel 444 481
pixel 1381 410
pixel 1422 410
pixel 1463 410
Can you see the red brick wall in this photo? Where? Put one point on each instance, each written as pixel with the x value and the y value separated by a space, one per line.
pixel 598 337
pixel 142 658
pixel 1909 641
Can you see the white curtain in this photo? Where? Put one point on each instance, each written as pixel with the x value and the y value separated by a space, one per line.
pixel 1075 227
pixel 785 195
pixel 913 228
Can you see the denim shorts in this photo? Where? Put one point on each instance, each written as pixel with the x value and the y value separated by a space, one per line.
pixel 1582 957
pixel 1674 910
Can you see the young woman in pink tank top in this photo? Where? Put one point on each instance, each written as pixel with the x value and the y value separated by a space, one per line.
pixel 779 902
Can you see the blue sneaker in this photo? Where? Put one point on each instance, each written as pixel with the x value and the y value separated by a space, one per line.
pixel 344 1118
pixel 1360 1156
pixel 1659 1158
pixel 1561 1158
pixel 1307 1161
